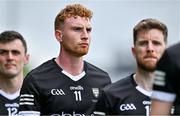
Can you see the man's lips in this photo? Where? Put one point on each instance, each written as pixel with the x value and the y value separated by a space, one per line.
pixel 84 44
pixel 150 58
pixel 9 65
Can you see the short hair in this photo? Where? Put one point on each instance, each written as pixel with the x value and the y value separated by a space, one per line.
pixel 8 36
pixel 147 24
pixel 71 11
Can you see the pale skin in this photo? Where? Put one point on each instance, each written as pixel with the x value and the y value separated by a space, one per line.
pixel 160 107
pixel 74 39
pixel 147 50
pixel 12 61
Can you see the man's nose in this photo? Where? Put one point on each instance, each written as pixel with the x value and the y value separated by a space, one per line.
pixel 85 34
pixel 10 55
pixel 150 47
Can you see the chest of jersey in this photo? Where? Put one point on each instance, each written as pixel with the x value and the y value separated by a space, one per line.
pixel 69 97
pixel 9 107
pixel 136 104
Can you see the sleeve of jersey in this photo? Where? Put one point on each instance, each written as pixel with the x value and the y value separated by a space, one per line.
pixel 101 108
pixel 29 98
pixel 163 88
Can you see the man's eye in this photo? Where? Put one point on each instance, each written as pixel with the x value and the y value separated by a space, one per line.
pixel 89 30
pixel 15 52
pixel 77 29
pixel 156 43
pixel 3 52
pixel 143 43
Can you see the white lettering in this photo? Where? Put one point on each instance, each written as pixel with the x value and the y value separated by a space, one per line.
pixel 57 92
pixel 79 87
pixel 130 106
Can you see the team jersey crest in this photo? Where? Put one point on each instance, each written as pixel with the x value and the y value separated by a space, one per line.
pixel 95 92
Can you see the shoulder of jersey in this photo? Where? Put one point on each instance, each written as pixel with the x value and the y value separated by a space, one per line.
pixel 46 67
pixel 120 85
pixel 92 67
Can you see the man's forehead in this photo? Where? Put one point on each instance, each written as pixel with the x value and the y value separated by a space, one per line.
pixel 16 44
pixel 77 20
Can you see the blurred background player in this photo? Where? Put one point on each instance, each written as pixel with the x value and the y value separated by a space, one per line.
pixel 13 57
pixel 166 89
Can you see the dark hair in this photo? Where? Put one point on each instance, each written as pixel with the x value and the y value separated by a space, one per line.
pixel 8 36
pixel 147 24
pixel 71 11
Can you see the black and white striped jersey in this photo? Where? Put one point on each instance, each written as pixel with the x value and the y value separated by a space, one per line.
pixel 167 78
pixel 124 97
pixel 9 103
pixel 49 90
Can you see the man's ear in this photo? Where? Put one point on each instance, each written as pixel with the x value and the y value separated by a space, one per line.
pixel 58 34
pixel 133 51
pixel 26 59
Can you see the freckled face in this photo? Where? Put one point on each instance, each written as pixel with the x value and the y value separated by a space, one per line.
pixel 76 36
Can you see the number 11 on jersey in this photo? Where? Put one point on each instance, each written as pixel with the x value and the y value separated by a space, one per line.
pixel 78 95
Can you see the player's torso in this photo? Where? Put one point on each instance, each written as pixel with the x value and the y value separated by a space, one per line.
pixel 136 104
pixel 127 98
pixel 66 96
pixel 9 107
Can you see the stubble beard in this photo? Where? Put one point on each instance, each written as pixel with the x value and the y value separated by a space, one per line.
pixel 150 67
pixel 77 51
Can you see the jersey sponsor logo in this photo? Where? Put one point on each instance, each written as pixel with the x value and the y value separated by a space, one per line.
pixel 147 102
pixel 68 114
pixel 79 87
pixel 12 105
pixel 129 106
pixel 57 92
pixel 159 78
pixel 95 92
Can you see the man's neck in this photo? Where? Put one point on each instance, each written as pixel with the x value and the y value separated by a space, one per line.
pixel 11 85
pixel 144 79
pixel 72 65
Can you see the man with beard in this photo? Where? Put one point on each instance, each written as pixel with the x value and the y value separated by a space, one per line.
pixel 13 57
pixel 131 95
pixel 66 85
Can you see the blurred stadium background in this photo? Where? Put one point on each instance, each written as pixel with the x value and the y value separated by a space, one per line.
pixel 113 22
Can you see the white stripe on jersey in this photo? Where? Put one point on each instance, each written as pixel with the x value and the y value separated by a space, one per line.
pixel 29 113
pixel 27 95
pixel 26 99
pixel 26 103
pixel 164 96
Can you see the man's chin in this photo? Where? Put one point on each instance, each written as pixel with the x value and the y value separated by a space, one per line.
pixel 11 73
pixel 150 68
pixel 80 54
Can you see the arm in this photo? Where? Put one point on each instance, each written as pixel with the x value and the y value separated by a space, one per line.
pixel 29 98
pixel 159 107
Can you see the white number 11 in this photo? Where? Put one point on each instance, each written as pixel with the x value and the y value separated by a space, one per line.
pixel 78 95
